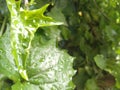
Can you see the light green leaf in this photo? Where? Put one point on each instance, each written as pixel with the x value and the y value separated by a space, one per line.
pixel 24 86
pixel 24 24
pixel 48 67
pixel 100 61
pixel 7 66
pixel 35 18
pixel 51 68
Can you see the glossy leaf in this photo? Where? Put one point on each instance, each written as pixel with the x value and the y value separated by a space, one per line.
pixel 7 66
pixel 51 68
pixel 38 20
pixel 30 60
pixel 24 24
pixel 91 34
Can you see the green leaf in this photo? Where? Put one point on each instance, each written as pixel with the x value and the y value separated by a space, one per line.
pixel 51 68
pixel 7 66
pixel 24 86
pixel 39 19
pixel 80 79
pixel 91 85
pixel 57 72
pixel 24 24
pixel 55 12
pixel 113 68
pixel 110 66
pixel 100 61
pixel 110 33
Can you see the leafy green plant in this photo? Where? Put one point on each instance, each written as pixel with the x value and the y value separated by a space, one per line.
pixel 92 36
pixel 26 63
pixel 34 56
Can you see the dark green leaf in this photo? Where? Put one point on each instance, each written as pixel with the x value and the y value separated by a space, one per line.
pixel 80 79
pixel 110 66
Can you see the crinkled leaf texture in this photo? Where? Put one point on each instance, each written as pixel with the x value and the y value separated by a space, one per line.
pixel 48 68
pixel 37 66
pixel 7 65
pixel 111 66
pixel 8 70
pixel 24 24
pixel 51 68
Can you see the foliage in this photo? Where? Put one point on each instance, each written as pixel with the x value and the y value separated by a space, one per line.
pixel 92 36
pixel 90 33
pixel 26 63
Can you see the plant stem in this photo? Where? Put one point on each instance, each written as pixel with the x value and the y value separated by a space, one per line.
pixel 3 26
